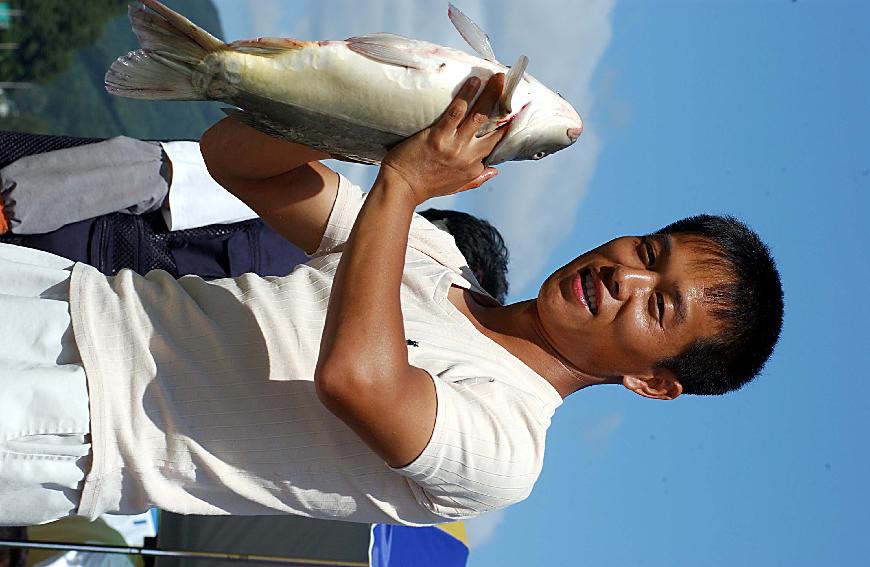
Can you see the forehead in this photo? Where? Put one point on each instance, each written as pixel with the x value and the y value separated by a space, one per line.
pixel 695 270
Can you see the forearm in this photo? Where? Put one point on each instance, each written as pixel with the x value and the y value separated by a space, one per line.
pixel 233 150
pixel 281 181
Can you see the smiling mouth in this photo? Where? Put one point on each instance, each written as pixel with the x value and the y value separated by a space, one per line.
pixel 589 290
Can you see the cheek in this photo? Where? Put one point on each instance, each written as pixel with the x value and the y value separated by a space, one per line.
pixel 637 339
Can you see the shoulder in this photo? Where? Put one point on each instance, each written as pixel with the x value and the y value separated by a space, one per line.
pixel 349 200
pixel 423 236
pixel 486 450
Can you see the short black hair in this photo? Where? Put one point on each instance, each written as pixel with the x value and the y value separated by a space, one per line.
pixel 748 307
pixel 481 244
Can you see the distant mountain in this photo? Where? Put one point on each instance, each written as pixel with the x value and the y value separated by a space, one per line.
pixel 74 101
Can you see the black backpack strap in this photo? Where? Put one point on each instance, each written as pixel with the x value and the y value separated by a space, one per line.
pixel 15 145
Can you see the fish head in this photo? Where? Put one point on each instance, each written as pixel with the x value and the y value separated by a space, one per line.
pixel 545 125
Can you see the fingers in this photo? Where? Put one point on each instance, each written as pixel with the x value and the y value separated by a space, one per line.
pixel 455 112
pixel 491 140
pixel 483 106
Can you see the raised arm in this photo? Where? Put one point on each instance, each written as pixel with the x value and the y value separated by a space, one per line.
pixel 282 181
pixel 363 375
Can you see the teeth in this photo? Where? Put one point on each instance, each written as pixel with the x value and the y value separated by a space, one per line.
pixel 589 289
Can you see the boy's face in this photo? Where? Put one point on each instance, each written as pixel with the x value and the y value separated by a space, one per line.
pixel 617 310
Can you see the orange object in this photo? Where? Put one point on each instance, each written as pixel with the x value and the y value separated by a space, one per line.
pixel 4 224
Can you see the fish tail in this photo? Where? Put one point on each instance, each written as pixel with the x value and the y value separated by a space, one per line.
pixel 163 69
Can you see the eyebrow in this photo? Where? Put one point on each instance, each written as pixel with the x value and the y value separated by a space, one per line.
pixel 666 243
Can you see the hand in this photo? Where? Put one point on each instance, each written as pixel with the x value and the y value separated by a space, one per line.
pixel 448 157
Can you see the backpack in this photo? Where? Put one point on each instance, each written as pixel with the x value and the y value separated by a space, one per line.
pixel 142 243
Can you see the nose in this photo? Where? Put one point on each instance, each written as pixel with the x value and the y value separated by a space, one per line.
pixel 574 133
pixel 627 281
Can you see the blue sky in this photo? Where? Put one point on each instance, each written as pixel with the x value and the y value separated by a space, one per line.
pixel 753 108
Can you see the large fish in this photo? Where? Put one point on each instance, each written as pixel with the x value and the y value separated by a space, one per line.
pixel 354 99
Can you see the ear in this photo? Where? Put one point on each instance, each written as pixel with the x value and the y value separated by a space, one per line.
pixel 660 384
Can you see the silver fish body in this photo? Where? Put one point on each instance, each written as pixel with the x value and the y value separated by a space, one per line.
pixel 354 99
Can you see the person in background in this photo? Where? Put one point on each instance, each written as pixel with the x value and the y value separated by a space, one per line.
pixel 480 243
pixel 116 204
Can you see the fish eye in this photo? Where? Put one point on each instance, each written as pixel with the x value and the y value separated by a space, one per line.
pixel 539 155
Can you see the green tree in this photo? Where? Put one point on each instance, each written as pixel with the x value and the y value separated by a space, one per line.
pixel 74 101
pixel 47 34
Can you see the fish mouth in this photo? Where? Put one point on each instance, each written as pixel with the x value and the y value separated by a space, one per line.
pixel 574 133
pixel 524 142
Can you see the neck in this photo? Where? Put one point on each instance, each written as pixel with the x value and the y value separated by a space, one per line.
pixel 517 327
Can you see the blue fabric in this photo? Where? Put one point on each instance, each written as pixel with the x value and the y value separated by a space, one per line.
pixel 403 546
pixel 112 242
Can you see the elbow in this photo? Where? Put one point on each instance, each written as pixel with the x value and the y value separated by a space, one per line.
pixel 337 387
pixel 357 375
pixel 342 388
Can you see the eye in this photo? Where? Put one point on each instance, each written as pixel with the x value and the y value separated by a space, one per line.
pixel 660 307
pixel 650 253
pixel 539 155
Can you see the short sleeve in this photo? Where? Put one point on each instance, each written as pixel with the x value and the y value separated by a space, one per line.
pixel 348 202
pixel 486 450
pixel 423 235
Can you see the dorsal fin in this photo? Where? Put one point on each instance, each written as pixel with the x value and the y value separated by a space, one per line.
pixel 471 33
pixel 184 26
pixel 511 82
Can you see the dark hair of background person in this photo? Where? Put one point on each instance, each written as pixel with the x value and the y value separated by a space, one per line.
pixel 747 305
pixel 481 244
pixel 13 556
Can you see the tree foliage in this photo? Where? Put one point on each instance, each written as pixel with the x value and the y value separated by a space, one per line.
pixel 70 98
pixel 47 34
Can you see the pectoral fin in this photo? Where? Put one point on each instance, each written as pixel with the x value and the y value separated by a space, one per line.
pixel 511 82
pixel 267 46
pixel 387 48
pixel 471 33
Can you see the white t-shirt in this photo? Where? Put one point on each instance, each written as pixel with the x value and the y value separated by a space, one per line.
pixel 202 395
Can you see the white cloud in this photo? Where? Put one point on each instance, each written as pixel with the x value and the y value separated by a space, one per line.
pixel 602 430
pixel 481 530
pixel 339 19
pixel 536 204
